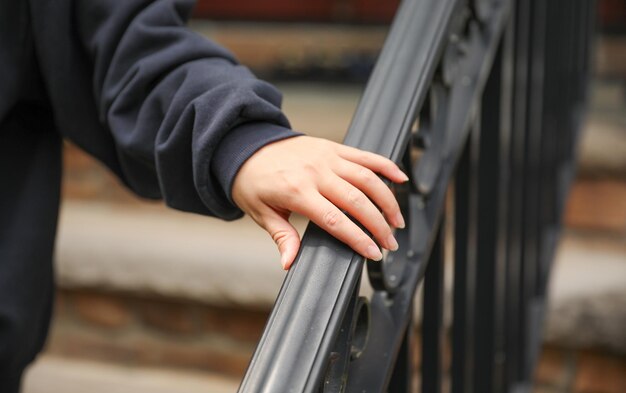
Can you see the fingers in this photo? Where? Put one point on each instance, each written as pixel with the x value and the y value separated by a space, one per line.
pixel 328 217
pixel 345 196
pixel 317 179
pixel 374 162
pixel 284 235
pixel 367 181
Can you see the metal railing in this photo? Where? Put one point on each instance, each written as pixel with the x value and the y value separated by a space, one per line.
pixel 480 102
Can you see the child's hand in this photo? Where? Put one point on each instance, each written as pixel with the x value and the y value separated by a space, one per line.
pixel 317 178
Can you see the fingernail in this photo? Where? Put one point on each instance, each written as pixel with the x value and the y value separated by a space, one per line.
pixel 283 261
pixel 392 243
pixel 373 253
pixel 403 176
pixel 400 221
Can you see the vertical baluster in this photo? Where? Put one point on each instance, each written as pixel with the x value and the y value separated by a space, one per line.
pixel 502 251
pixel 563 132
pixel 590 13
pixel 402 377
pixel 554 137
pixel 465 199
pixel 582 24
pixel 568 42
pixel 432 325
pixel 492 231
pixel 531 249
pixel 515 317
pixel 487 129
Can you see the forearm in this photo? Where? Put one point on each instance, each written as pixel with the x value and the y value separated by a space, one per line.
pixel 156 101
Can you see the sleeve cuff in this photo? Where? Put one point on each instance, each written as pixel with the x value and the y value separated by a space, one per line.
pixel 241 143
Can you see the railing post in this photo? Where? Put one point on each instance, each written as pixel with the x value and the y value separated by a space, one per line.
pixel 493 173
pixel 465 200
pixel 432 321
pixel 404 369
pixel 532 307
pixel 514 312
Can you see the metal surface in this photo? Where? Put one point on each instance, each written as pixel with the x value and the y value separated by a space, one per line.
pixel 463 90
pixel 432 328
pixel 465 198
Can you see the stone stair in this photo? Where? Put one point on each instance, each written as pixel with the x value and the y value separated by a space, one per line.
pixel 59 375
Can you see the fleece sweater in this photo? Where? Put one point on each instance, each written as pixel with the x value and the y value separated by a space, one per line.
pixel 169 112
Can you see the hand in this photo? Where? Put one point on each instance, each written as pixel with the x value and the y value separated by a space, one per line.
pixel 317 178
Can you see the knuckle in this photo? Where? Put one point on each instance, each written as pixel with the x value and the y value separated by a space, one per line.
pixel 365 157
pixel 290 196
pixel 389 201
pixel 367 176
pixel 355 197
pixel 380 228
pixel 291 200
pixel 292 185
pixel 280 237
pixel 310 169
pixel 331 218
pixel 362 242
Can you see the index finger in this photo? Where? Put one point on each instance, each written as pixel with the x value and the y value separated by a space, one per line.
pixel 374 162
pixel 328 217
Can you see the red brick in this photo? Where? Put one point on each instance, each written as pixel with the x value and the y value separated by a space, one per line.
pixel 544 389
pixel 194 355
pixel 143 348
pixel 86 344
pixel 169 317
pixel 600 373
pixel 60 303
pixel 102 310
pixel 552 369
pixel 85 178
pixel 597 205
pixel 240 325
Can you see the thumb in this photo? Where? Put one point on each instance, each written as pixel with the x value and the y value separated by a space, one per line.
pixel 285 236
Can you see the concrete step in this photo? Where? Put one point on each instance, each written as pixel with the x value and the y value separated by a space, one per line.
pixel 587 293
pixel 155 251
pixel 558 371
pixel 50 374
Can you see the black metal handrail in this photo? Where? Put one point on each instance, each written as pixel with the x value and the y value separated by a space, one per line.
pixel 464 91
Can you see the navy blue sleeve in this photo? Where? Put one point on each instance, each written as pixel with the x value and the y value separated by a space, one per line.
pixel 182 114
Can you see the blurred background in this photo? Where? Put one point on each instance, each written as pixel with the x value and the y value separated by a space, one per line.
pixel 153 300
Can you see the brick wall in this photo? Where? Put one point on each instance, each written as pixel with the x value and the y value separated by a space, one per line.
pixel 176 334
pixel 152 331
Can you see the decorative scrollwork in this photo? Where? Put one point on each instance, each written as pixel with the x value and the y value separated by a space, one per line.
pixel 482 9
pixel 433 126
pixel 387 274
pixel 456 48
